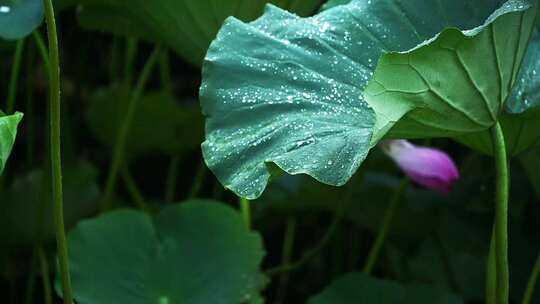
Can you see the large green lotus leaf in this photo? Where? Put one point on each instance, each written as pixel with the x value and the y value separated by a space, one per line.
pixel 160 123
pixel 194 252
pixel 310 95
pixel 19 18
pixel 361 288
pixel 522 131
pixel 8 132
pixel 187 26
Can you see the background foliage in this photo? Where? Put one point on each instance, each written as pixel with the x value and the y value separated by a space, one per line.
pixel 175 229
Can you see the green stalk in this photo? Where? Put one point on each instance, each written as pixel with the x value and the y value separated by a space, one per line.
pixel 375 251
pixel 313 252
pixel 42 51
pixel 198 181
pixel 55 146
pixel 120 144
pixel 246 212
pixel 286 256
pixel 133 190
pixel 14 78
pixel 29 106
pixel 501 215
pixel 132 46
pixel 31 282
pixel 165 71
pixel 529 292
pixel 172 176
pixel 44 266
pixel 491 273
pixel 115 59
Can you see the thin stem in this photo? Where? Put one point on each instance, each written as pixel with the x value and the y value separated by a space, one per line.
pixel 165 71
pixel 44 266
pixel 42 51
pixel 29 107
pixel 115 59
pixel 56 159
pixel 133 190
pixel 445 259
pixel 14 78
pixel 286 256
pixel 501 215
pixel 246 212
pixel 529 292
pixel 120 144
pixel 288 240
pixel 131 52
pixel 375 251
pixel 199 179
pixel 172 175
pixel 31 282
pixel 491 273
pixel 308 255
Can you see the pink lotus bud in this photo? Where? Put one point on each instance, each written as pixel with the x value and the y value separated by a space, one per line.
pixel 428 167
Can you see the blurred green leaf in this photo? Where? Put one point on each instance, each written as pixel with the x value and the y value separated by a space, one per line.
pixel 194 252
pixel 531 164
pixel 8 132
pixel 187 26
pixel 27 216
pixel 332 3
pixel 355 288
pixel 366 198
pixel 19 18
pixel 159 124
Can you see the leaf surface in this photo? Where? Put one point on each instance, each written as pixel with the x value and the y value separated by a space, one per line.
pixel 194 252
pixel 313 95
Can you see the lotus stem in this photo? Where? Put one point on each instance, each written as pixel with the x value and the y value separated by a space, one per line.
pixel 527 298
pixel 375 251
pixel 55 150
pixel 501 215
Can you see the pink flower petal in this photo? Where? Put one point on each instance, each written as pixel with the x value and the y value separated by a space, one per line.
pixel 428 167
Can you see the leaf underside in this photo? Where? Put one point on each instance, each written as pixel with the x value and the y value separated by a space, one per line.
pixel 521 120
pixel 455 85
pixel 296 91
